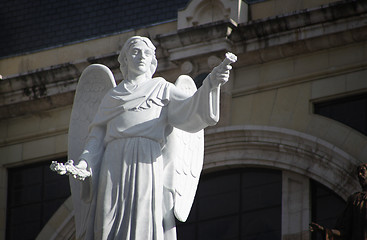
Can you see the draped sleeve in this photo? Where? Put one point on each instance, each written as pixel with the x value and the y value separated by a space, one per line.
pixel 94 144
pixel 193 113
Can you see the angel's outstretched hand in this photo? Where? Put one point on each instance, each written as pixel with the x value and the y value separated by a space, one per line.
pixel 79 171
pixel 220 74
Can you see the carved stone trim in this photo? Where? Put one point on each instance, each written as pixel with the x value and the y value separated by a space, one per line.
pixel 325 14
pixel 199 12
pixel 286 149
pixel 272 38
pixel 46 88
pixel 195 41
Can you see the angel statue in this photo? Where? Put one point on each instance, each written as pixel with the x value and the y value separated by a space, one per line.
pixel 138 146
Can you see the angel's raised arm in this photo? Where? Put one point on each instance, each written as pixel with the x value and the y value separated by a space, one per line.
pixel 201 108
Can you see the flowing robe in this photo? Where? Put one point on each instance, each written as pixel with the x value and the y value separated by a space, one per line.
pixel 124 153
pixel 353 222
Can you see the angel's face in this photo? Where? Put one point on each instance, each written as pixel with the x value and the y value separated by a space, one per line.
pixel 139 58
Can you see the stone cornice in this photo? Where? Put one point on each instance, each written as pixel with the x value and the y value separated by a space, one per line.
pixel 38 90
pixel 307 77
pixel 326 13
pixel 46 88
pixel 272 38
pixel 301 32
pixel 199 40
pixel 254 42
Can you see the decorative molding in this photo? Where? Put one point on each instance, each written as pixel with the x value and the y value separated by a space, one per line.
pixel 254 42
pixel 213 61
pixel 269 39
pixel 46 88
pixel 199 12
pixel 281 148
pixel 304 78
pixel 187 67
pixel 199 40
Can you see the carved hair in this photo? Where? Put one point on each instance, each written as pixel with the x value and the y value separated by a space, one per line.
pixel 122 57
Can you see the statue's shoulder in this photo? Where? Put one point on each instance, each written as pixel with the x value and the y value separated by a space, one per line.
pixel 159 80
pixel 111 93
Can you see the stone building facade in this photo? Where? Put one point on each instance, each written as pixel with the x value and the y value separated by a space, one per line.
pixel 293 116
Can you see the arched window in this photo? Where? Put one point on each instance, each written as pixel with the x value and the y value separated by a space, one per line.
pixel 237 204
pixel 34 194
pixel 326 206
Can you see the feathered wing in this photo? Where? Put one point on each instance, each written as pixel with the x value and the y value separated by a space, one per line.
pixel 93 84
pixel 187 150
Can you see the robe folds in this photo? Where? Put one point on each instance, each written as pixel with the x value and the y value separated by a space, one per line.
pixel 130 193
pixel 352 224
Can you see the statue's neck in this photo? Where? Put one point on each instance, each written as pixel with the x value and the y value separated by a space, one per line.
pixel 136 79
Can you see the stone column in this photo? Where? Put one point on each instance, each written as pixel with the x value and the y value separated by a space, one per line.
pixel 295 207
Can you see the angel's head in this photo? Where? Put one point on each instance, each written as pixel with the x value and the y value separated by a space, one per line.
pixel 133 44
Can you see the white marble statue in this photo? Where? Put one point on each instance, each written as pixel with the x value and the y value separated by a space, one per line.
pixel 140 159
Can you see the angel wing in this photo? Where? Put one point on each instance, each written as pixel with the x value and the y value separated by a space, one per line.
pixel 188 155
pixel 93 84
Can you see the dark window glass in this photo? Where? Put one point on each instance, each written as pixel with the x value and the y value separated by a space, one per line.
pixel 34 194
pixel 326 207
pixel 351 111
pixel 199 79
pixel 261 204
pixel 240 204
